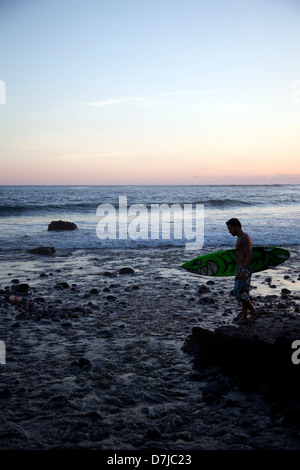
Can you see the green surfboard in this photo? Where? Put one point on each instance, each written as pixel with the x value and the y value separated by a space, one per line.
pixel 223 263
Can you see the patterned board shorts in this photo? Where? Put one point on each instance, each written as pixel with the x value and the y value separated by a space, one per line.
pixel 241 286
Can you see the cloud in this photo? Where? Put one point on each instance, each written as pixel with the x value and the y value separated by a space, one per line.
pixel 115 101
pixel 147 98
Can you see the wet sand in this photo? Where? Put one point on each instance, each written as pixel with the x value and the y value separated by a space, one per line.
pixel 95 360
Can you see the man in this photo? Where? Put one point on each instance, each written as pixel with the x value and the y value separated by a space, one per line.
pixel 244 269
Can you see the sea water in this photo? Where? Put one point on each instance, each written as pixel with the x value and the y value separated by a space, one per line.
pixel 269 213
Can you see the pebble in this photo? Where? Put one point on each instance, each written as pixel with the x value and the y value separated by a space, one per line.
pixel 22 288
pixel 126 270
pixel 111 297
pixel 94 291
pixel 203 289
pixel 109 274
pixel 82 362
pixel 285 291
pixel 62 285
pixel 5 393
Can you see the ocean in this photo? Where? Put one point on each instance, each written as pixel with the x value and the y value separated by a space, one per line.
pixel 269 213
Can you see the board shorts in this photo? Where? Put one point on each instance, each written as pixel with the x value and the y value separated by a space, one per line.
pixel 242 286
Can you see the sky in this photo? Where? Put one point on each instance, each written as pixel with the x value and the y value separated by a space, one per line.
pixel 149 92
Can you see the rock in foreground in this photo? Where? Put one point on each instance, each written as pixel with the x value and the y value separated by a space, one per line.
pixel 267 366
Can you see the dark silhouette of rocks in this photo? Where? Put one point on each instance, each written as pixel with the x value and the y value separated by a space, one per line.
pixel 61 225
pixel 43 250
pixel 258 363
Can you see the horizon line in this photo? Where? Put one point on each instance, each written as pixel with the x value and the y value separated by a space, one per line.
pixel 154 184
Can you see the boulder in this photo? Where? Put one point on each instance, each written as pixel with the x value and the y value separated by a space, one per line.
pixel 43 250
pixel 22 288
pixel 261 364
pixel 61 225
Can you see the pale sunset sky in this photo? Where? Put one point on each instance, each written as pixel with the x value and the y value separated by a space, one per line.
pixel 149 91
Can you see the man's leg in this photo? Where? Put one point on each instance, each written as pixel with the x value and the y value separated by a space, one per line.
pixel 254 313
pixel 243 318
pixel 245 307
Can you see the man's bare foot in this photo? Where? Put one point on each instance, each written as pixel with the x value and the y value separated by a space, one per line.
pixel 241 320
pixel 254 316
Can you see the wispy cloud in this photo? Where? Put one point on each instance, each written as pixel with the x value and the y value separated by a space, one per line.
pixel 147 98
pixel 210 99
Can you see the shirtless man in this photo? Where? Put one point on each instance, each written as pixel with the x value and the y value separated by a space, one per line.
pixel 244 269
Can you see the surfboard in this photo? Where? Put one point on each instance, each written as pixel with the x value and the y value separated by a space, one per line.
pixel 223 263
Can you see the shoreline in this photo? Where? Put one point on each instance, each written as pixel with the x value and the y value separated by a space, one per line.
pixel 95 360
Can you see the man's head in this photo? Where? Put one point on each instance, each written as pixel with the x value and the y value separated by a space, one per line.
pixel 234 226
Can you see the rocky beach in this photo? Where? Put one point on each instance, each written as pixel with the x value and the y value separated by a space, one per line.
pixel 102 352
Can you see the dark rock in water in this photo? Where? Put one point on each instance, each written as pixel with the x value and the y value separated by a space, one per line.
pixel 203 289
pixel 82 362
pixel 111 297
pixel 61 225
pixel 126 270
pixel 94 291
pixel 153 434
pixel 66 324
pixel 62 285
pixel 22 288
pixel 5 393
pixel 282 306
pixel 109 274
pixel 207 300
pixel 43 250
